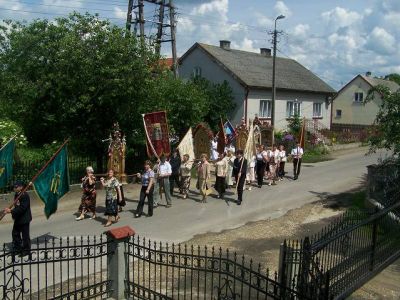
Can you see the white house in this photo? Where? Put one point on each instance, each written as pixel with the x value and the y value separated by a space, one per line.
pixel 349 110
pixel 298 90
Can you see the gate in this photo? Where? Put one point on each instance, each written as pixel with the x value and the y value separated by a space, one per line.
pixel 157 271
pixel 64 268
pixel 344 255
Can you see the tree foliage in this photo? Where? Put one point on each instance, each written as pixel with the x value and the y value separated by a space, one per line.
pixel 77 75
pixel 386 131
pixel 394 77
pixel 219 100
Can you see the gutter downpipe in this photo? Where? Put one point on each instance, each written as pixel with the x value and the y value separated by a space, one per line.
pixel 245 104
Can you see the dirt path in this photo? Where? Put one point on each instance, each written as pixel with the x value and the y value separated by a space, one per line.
pixel 261 241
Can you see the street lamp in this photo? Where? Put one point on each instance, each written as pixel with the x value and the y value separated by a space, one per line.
pixel 273 79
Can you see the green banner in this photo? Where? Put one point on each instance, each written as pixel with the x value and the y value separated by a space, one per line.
pixel 6 163
pixel 53 182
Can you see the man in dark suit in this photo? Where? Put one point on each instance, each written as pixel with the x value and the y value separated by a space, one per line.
pixel 22 216
pixel 175 162
pixel 239 171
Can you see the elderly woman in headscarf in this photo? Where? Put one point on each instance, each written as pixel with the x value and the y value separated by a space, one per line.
pixel 88 199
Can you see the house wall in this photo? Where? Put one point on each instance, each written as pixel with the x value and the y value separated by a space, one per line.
pixel 281 121
pixel 215 73
pixel 355 113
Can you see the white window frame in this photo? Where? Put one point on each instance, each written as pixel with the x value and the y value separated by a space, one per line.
pixel 265 106
pixel 338 115
pixel 358 97
pixel 196 72
pixel 292 108
pixel 317 113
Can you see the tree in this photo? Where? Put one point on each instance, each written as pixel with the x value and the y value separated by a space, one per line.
pixel 220 100
pixel 78 75
pixel 386 131
pixel 394 77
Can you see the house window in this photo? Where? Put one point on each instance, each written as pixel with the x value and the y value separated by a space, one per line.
pixel 293 108
pixel 338 113
pixel 317 110
pixel 358 97
pixel 265 109
pixel 196 72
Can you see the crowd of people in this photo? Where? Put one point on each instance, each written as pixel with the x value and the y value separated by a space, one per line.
pixel 231 171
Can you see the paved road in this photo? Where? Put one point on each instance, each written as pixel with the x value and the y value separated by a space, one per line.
pixel 187 218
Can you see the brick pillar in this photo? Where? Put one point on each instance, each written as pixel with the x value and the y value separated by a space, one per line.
pixel 116 261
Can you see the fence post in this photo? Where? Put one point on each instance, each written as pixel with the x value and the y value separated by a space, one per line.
pixel 305 261
pixel 282 269
pixel 116 262
pixel 373 242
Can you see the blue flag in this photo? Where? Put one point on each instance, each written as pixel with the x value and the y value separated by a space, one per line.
pixel 6 163
pixel 230 132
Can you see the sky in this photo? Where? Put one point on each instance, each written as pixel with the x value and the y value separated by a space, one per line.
pixel 335 39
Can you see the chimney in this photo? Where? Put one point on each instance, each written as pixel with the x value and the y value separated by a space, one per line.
pixel 368 74
pixel 224 44
pixel 265 52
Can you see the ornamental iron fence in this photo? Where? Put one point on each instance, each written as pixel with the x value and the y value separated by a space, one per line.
pixel 348 252
pixel 157 271
pixel 56 268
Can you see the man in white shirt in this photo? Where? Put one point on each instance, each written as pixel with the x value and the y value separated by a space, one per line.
pixel 297 154
pixel 164 171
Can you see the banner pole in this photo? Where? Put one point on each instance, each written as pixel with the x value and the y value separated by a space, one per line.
pixel 2 214
pixel 148 138
pixel 8 142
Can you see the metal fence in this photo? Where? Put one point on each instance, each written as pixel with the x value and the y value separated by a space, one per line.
pixel 63 268
pixel 157 271
pixel 345 254
pixel 25 170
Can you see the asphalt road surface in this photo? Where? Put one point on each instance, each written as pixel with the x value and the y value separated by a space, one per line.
pixel 189 217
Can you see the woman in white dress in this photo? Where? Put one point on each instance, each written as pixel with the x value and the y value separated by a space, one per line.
pixel 230 158
pixel 282 161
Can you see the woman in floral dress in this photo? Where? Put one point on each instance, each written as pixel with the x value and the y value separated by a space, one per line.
pixel 88 200
pixel 113 192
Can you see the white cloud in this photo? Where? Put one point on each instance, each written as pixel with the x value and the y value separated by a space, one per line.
pixel 282 9
pixel 185 24
pixel 220 6
pixel 246 45
pixel 301 30
pixel 263 20
pixel 11 4
pixel 341 17
pixel 119 13
pixel 74 3
pixel 381 41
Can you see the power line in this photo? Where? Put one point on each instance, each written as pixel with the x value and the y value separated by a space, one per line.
pixel 48 13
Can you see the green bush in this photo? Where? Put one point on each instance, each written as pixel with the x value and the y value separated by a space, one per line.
pixel 9 129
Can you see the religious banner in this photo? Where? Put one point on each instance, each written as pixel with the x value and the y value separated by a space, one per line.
pixel 230 132
pixel 242 135
pixel 221 138
pixel 250 148
pixel 116 153
pixel 53 181
pixel 6 163
pixel 202 140
pixel 186 145
pixel 157 134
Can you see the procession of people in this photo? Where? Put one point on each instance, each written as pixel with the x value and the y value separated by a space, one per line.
pixel 219 174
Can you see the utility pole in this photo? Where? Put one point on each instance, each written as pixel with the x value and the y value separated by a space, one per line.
pixel 129 16
pixel 160 27
pixel 136 7
pixel 173 38
pixel 141 18
pixel 275 33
